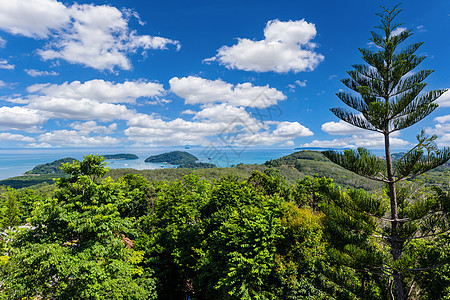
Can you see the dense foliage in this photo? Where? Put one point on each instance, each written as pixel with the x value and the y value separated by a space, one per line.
pixel 173 158
pixel 258 238
pixel 197 165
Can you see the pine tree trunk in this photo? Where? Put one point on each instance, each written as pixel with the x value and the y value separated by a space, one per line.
pixel 396 244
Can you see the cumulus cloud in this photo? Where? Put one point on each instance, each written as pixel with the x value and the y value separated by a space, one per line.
pixel 100 90
pixel 5 65
pixel 6 136
pixel 197 90
pixel 33 18
pixel 75 139
pixel 285 132
pixel 442 119
pixel 92 127
pixel 147 130
pixel 96 36
pixel 222 124
pixel 442 130
pixel 36 73
pixel 374 140
pixel 355 137
pixel 342 128
pixel 444 100
pixel 20 118
pixel 84 109
pixel 286 47
pixel 88 101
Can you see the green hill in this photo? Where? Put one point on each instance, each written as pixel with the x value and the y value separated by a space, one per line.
pixel 120 156
pixel 173 158
pixel 50 168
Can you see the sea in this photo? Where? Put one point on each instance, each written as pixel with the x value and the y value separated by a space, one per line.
pixel 15 162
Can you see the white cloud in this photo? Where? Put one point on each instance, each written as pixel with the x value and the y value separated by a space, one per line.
pixel 444 100
pixel 287 47
pixel 188 112
pixel 442 130
pixel 20 118
pixel 33 18
pixel 300 83
pixel 341 128
pixel 223 113
pixel 76 139
pixel 398 30
pixel 284 133
pixel 6 136
pixel 374 140
pixel 356 137
pixel 421 28
pixel 5 65
pixel 100 90
pixel 2 84
pixel 35 73
pixel 223 125
pixel 2 42
pixel 86 128
pixel 146 130
pixel 196 90
pixel 84 109
pixel 442 119
pixel 96 36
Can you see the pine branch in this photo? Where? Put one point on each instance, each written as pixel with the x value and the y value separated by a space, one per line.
pixel 354 102
pixel 420 113
pixel 361 162
pixel 355 120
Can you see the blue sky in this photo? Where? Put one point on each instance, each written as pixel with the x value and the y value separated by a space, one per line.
pixel 209 73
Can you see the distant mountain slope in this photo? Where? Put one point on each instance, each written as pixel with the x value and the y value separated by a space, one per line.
pixel 51 168
pixel 311 163
pixel 173 158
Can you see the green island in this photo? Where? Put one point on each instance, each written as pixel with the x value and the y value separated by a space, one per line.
pixel 173 158
pixel 50 168
pixel 120 156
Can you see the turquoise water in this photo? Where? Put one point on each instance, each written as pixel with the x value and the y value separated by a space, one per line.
pixel 14 162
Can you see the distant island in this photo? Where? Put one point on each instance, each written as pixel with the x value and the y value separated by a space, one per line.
pixel 120 156
pixel 173 158
pixel 51 168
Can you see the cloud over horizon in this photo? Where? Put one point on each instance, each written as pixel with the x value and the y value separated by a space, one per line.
pixel 286 47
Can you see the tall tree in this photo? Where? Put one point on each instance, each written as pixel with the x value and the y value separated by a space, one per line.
pixel 391 99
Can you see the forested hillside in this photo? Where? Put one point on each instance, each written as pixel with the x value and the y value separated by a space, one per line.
pixel 247 237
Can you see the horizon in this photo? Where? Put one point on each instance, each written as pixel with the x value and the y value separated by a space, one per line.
pixel 117 74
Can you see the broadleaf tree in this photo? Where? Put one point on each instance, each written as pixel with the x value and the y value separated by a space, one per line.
pixel 387 97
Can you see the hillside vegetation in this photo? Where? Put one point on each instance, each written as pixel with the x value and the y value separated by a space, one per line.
pixel 255 237
pixel 51 168
pixel 120 156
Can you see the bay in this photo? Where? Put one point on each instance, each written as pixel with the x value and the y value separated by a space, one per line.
pixel 15 162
